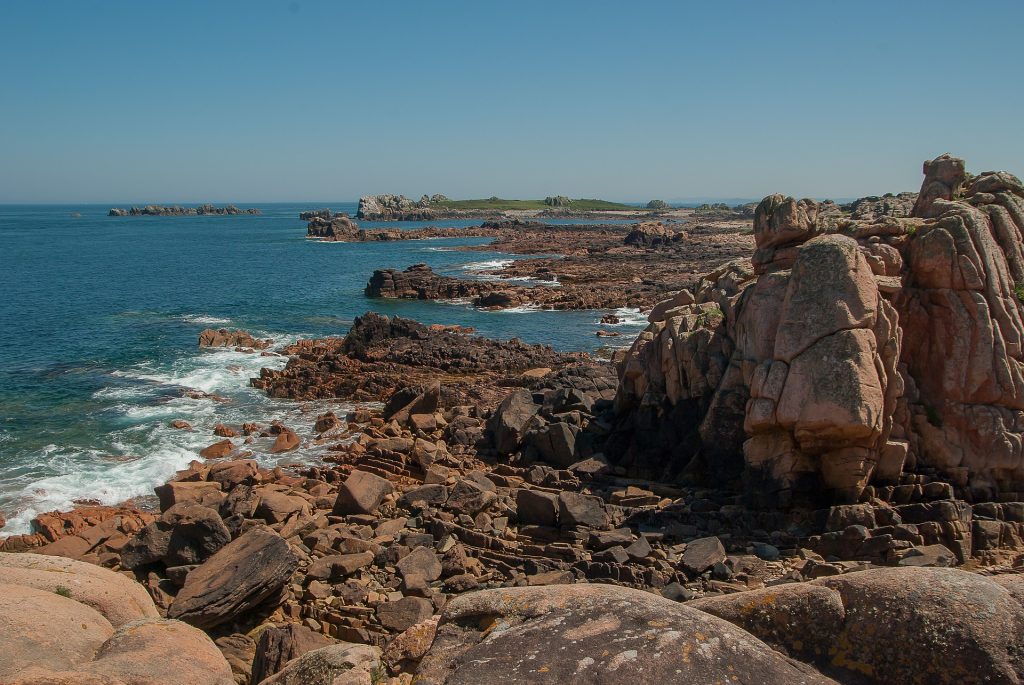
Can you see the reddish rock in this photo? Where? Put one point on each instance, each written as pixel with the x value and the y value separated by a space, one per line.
pixel 224 431
pixel 217 450
pixel 287 440
pixel 361 493
pixel 222 337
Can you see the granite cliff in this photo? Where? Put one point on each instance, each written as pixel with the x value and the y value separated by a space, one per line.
pixel 846 353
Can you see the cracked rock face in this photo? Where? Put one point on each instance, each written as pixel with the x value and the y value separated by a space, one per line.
pixel 844 352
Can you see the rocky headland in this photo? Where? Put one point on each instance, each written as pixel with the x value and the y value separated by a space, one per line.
pixel 177 210
pixel 806 470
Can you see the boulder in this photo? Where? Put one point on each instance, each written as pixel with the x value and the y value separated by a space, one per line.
pixel 404 613
pixel 422 562
pixel 511 419
pixel 218 450
pixel 185 534
pixel 595 634
pixel 702 554
pixel 34 630
pixel 286 441
pixel 536 507
pixel 279 645
pixel 208 494
pixel 117 598
pixel 892 625
pixel 339 664
pixel 361 493
pixel 575 509
pixel 247 572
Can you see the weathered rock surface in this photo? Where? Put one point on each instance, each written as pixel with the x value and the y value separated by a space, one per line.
pixel 595 634
pixel 341 664
pixel 238 578
pixel 222 337
pixel 940 626
pixel 845 353
pixel 67 622
pixel 117 598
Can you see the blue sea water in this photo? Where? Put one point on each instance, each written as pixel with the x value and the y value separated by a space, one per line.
pixel 100 316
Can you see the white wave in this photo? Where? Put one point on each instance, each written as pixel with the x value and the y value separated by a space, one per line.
pixel 205 319
pixel 522 309
pixel 629 316
pixel 489 265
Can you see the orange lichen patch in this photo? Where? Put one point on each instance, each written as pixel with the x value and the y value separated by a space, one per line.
pixel 597 626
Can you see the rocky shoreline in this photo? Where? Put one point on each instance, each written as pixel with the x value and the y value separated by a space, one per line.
pixel 805 470
pixel 177 210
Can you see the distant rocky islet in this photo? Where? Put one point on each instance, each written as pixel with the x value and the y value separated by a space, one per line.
pixel 178 210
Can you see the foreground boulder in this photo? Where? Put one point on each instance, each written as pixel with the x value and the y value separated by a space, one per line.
pixel 340 664
pixel 117 598
pixel 240 577
pixel 64 622
pixel 902 625
pixel 595 634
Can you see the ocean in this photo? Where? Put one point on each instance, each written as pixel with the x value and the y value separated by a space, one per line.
pixel 100 318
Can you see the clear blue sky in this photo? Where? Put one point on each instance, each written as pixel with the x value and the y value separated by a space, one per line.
pixel 275 100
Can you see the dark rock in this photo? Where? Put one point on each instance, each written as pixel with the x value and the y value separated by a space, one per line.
pixel 535 507
pixel 702 554
pixel 235 580
pixel 405 613
pixel 588 511
pixel 279 645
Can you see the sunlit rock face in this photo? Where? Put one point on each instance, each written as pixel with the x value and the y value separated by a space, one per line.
pixel 844 353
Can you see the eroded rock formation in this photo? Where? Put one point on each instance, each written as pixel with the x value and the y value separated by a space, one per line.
pixel 846 352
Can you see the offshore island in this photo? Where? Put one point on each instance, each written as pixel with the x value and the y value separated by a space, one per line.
pixel 807 468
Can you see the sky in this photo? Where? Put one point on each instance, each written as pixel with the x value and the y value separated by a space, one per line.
pixel 271 100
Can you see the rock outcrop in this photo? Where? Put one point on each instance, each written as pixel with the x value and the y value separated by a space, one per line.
pixel 393 208
pixel 846 353
pixel 653 234
pixel 339 228
pixel 222 337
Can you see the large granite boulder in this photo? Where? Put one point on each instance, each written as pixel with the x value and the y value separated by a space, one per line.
pixel 904 625
pixel 117 598
pixel 64 622
pixel 595 634
pixel 244 574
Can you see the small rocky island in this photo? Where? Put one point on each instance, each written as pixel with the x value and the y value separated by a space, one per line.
pixel 178 210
